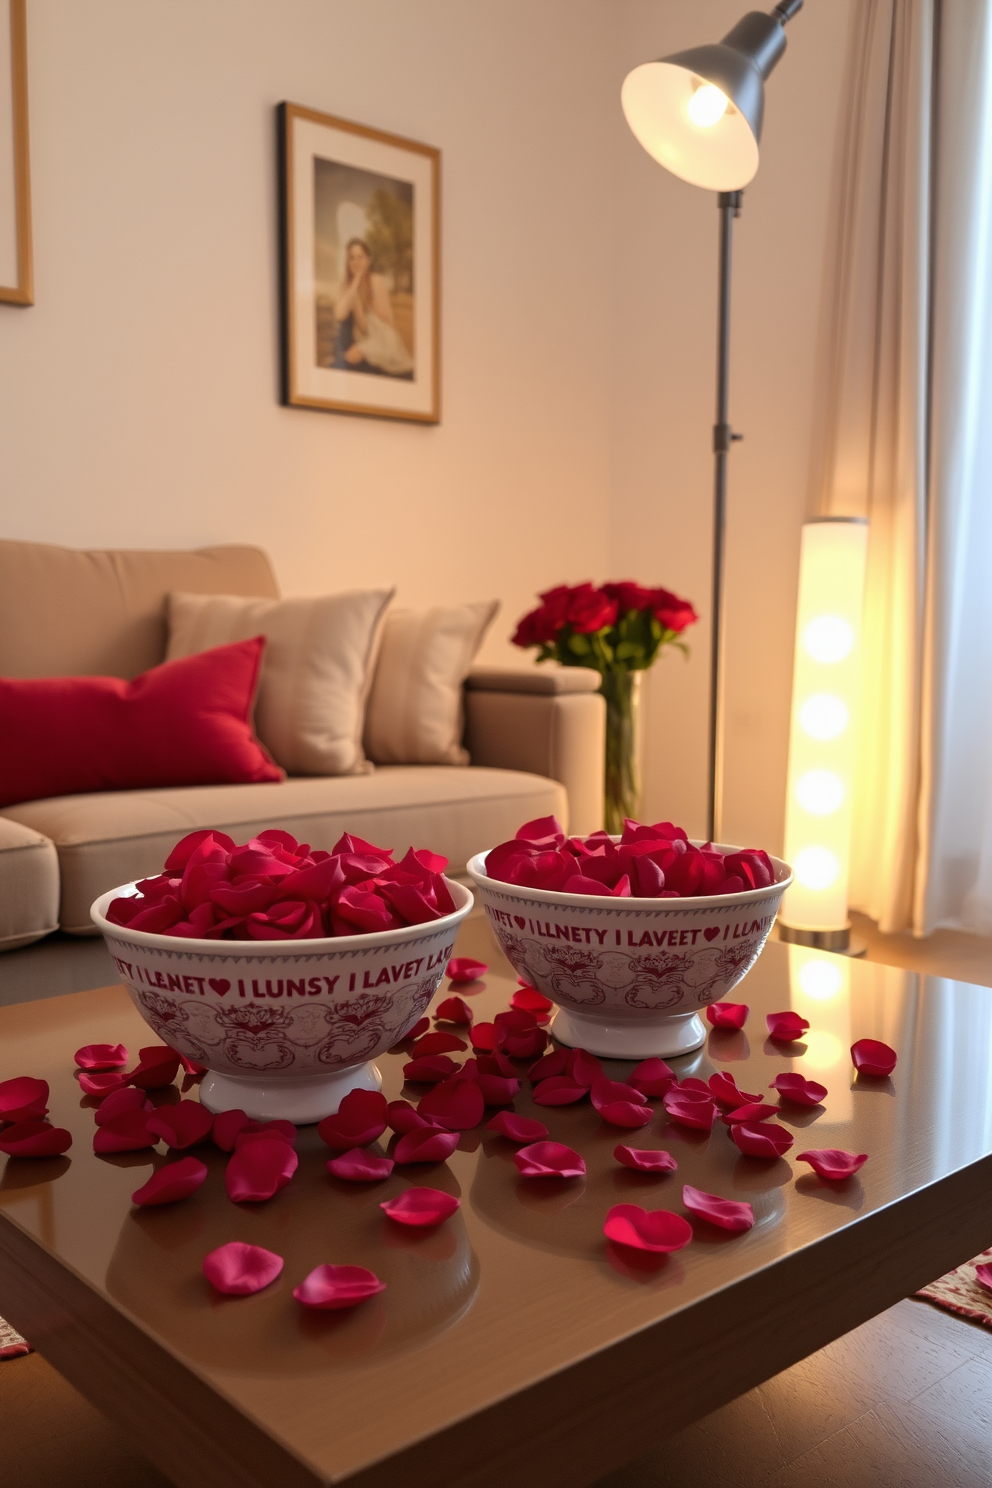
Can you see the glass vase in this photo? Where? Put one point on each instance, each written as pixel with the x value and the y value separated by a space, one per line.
pixel 622 785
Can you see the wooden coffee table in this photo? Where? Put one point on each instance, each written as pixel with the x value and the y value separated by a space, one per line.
pixel 513 1345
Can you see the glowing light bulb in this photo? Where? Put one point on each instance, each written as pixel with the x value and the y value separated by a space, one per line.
pixel 828 638
pixel 707 106
pixel 816 867
pixel 824 716
pixel 820 980
pixel 820 792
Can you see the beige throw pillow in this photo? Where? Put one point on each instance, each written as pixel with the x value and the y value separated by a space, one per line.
pixel 415 712
pixel 318 665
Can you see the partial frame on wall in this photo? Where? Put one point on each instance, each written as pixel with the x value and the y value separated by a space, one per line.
pixel 16 274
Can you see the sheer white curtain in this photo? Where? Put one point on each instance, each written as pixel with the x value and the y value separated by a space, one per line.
pixel 907 441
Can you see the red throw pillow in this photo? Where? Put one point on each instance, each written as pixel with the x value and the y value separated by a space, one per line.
pixel 185 722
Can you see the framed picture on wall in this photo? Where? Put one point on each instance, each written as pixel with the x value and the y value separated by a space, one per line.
pixel 360 268
pixel 15 191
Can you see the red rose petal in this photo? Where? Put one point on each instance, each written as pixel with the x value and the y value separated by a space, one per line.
pixel 724 1090
pixel 555 1063
pixel 103 1084
pixel 454 1010
pixel 425 1144
pixel 402 1118
pixel 559 1090
pixel 333 1287
pixel 625 1114
pixel 752 1112
pixel 983 1275
pixel 549 1160
pixel 437 1043
pixel 177 1180
pixel 498 1090
pixel 125 1133
pixel 463 969
pixel 227 1124
pixel 237 1269
pixel 645 1159
pixel 531 1001
pixel 357 1166
pixel 517 1128
pixel 457 1105
pixel 798 1090
pixel 128 1098
pixel 727 1014
pixel 285 1131
pixel 101 1057
pixel 495 1064
pixel 726 1214
pixel 697 1087
pixel 762 1139
pixel 421 1026
pixel 688 1109
pixel 646 1229
pixel 259 1169
pixel 652 1077
pixel 584 1068
pixel 421 1206
pixel 833 1162
pixel 35 1139
pixel 604 1092
pixel 871 1057
pixel 360 1120
pixel 23 1093
pixel 524 1045
pixel 157 1067
pixel 191 1067
pixel 787 1026
pixel 429 1070
pixel 183 1125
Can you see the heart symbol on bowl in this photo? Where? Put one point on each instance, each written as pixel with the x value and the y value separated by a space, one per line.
pixel 220 985
pixel 711 932
pixel 521 922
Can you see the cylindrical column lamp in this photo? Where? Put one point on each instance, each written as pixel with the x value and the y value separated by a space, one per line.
pixel 823 738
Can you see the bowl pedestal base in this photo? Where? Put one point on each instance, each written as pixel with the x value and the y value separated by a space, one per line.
pixel 628 1038
pixel 303 1100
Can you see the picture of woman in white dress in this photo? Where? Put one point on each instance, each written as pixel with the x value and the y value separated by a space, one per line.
pixel 366 338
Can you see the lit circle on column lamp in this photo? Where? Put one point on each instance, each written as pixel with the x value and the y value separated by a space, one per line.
pixel 820 980
pixel 820 792
pixel 828 639
pixel 824 716
pixel 816 867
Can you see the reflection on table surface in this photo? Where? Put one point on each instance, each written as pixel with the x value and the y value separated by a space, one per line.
pixel 521 1282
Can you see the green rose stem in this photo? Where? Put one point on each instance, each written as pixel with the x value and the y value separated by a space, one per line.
pixel 622 786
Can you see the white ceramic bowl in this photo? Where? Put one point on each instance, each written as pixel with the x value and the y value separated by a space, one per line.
pixel 630 975
pixel 285 1027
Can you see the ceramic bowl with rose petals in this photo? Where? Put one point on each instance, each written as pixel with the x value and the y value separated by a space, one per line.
pixel 285 1028
pixel 629 976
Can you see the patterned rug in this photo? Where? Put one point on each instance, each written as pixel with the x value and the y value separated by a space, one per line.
pixel 959 1292
pixel 12 1345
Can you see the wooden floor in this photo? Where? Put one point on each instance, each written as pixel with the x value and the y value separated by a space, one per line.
pixel 903 1402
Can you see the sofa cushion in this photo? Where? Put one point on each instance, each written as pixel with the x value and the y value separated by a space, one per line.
pixel 69 613
pixel 29 885
pixel 107 839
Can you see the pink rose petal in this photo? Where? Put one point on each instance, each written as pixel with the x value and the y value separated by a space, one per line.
pixel 531 1001
pixel 454 1010
pixel 284 1130
pixel 333 1287
pixel 183 1125
pixel 517 1128
pixel 724 1090
pixel 127 1132
pixel 430 1070
pixel 549 1160
pixel 752 1112
pixel 549 1065
pixel 23 1098
pixel 727 1014
pixel 698 1087
pixel 438 1043
pixel 237 1269
pixel 584 1068
pixel 357 1166
pixel 833 1162
pixel 360 1120
pixel 983 1275
pixel 604 1092
pixel 101 1057
pixel 421 1206
pixel 871 1057
pixel 462 969
pixel 559 1090
pixel 456 1105
pixel 259 1169
pixel 625 1114
pixel 424 1145
pixel 645 1159
pixel 177 1180
pixel 689 1109
pixel 652 1077
pixel 102 1084
pixel 128 1098
pixel 726 1214
pixel 787 1026
pixel 35 1139
pixel 646 1229
pixel 762 1139
pixel 797 1090
pixel 227 1125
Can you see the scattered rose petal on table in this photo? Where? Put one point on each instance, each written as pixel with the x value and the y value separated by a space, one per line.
pixel 182 1125
pixel 23 1098
pixel 727 1014
pixel 699 1087
pixel 761 1139
pixel 726 1214
pixel 645 1159
pixel 175 1181
pixel 496 1064
pixel 237 1269
pixel 833 1163
pixel 558 1090
pixel 462 969
pixel 626 1114
pixel 421 1026
pixel 128 1098
pixel 871 1057
pixel 797 1090
pixel 498 1090
pixel 455 1105
pixel 259 1169
pixel 646 1229
pixel 524 1045
pixel 333 1287
pixel 425 1144
pixel 402 1118
pixel 604 1092
pixel 35 1139
pixel 360 1119
pixel 438 1043
pixel 689 1109
pixel 101 1057
pixel 227 1124
pixel 483 1036
pixel 191 1067
pixel 421 1206
pixel 786 1027
pixel 102 1083
pixel 553 1063
pixel 652 1077
pixel 517 1128
pixel 125 1133
pixel 429 1070
pixel 284 1130
pixel 549 1160
pixel 454 1010
pixel 752 1112
pixel 357 1166
pixel 584 1068
pixel 724 1090
pixel 532 1001
pixel 157 1066
pixel 983 1275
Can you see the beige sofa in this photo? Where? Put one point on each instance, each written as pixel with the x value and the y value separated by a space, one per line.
pixel 535 739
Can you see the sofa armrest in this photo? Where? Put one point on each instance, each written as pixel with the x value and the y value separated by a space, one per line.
pixel 544 723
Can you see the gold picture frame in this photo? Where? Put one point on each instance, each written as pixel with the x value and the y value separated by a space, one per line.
pixel 15 178
pixel 359 235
